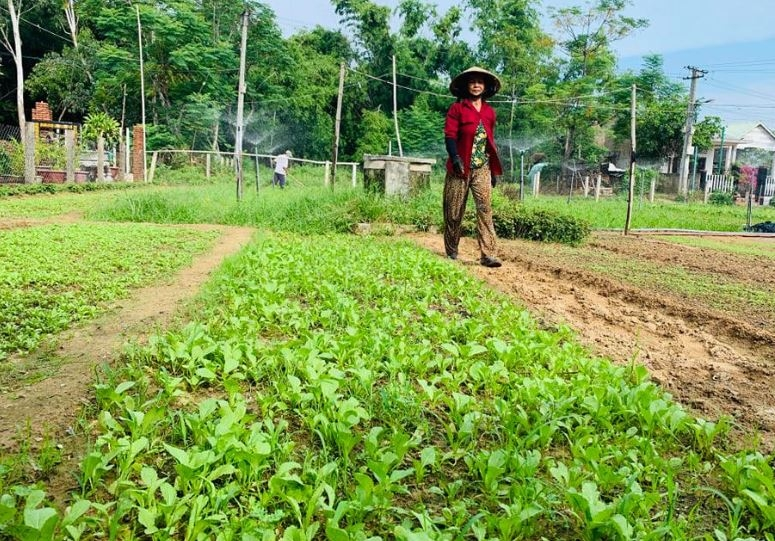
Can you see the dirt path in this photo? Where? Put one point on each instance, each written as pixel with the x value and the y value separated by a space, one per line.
pixel 52 405
pixel 710 361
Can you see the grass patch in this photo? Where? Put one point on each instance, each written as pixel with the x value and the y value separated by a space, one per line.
pixel 740 246
pixel 610 213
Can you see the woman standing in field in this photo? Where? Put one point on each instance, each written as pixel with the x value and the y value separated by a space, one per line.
pixel 473 162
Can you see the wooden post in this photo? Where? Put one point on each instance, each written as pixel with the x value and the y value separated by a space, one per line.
pixel 628 219
pixel 395 109
pixel 258 178
pixel 142 92
pixel 70 155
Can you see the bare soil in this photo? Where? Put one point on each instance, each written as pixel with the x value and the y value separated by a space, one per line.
pixel 715 361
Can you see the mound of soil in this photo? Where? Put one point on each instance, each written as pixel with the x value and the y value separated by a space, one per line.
pixel 708 359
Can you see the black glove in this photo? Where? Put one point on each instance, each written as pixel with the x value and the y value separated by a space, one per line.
pixel 457 165
pixel 493 179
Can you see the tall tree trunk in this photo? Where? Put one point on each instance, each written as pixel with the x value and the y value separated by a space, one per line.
pixel 16 52
pixel 72 21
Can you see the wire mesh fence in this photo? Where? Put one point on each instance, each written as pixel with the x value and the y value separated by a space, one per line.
pixel 190 166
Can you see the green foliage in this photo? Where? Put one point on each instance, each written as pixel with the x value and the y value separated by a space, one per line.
pixel 59 274
pixel 661 110
pixel 7 190
pixel 98 125
pixel 376 128
pixel 515 221
pixel 704 132
pixel 65 79
pixel 588 70
pixel 49 153
pixel 159 137
pixel 328 385
pixel 420 129
pixel 721 198
pixel 11 158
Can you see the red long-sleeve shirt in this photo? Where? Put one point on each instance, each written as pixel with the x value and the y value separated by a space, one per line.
pixel 461 125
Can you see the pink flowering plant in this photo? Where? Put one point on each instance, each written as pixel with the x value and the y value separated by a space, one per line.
pixel 746 179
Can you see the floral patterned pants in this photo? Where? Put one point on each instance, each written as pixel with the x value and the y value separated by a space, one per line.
pixel 455 198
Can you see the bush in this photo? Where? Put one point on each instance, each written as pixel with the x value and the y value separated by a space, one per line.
pixel 8 190
pixel 513 221
pixel 721 198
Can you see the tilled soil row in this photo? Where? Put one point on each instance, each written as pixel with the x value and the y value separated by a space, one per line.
pixel 712 362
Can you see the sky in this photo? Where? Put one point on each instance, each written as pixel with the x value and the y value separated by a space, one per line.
pixel 734 43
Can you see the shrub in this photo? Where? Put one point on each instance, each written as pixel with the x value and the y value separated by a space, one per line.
pixel 721 198
pixel 514 221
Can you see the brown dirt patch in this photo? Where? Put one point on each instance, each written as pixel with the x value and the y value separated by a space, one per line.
pixel 709 359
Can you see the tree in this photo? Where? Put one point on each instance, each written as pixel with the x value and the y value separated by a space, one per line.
pixel 587 72
pixel 305 99
pixel 101 128
pixel 14 46
pixel 512 43
pixel 704 132
pixel 65 79
pixel 661 113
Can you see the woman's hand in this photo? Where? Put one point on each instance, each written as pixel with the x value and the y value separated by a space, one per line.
pixel 457 165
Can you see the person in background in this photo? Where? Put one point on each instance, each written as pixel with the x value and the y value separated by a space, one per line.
pixel 473 162
pixel 281 165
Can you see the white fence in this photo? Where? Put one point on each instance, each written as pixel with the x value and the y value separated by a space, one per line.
pixel 726 183
pixel 719 183
pixel 213 158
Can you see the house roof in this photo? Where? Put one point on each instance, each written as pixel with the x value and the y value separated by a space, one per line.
pixel 737 131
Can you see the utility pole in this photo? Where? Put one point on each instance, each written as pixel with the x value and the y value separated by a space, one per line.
pixel 335 153
pixel 142 94
pixel 395 108
pixel 683 178
pixel 630 192
pixel 241 105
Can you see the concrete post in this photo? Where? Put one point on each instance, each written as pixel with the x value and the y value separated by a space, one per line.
pixel 70 155
pixel 327 178
pixel 100 159
pixel 355 178
pixel 152 172
pixel 29 153
pixel 597 186
pixel 127 165
pixel 138 153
